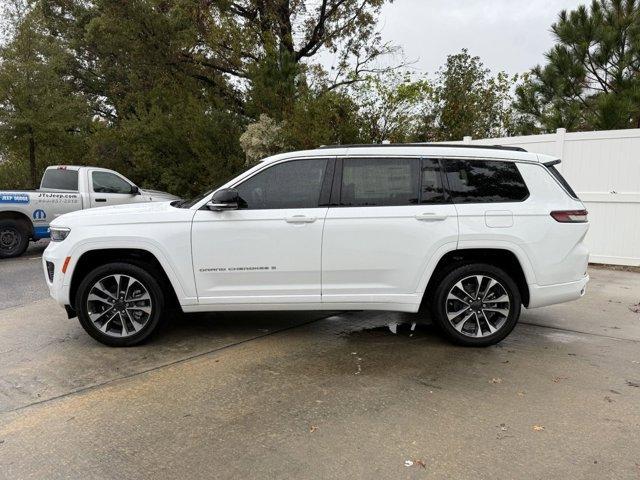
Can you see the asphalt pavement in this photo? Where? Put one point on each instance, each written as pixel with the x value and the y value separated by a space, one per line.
pixel 320 395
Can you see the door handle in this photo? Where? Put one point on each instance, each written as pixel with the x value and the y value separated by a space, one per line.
pixel 431 217
pixel 100 199
pixel 300 219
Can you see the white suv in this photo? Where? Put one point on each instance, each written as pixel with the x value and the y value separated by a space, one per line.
pixel 469 234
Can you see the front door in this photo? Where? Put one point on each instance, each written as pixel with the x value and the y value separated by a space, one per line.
pixel 107 188
pixel 392 216
pixel 267 251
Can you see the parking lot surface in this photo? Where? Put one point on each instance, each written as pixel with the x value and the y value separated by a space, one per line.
pixel 321 395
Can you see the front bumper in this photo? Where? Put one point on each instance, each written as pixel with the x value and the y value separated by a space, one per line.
pixel 542 296
pixel 58 282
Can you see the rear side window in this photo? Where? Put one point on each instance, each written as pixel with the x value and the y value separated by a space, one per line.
pixel 431 190
pixel 484 181
pixel 370 182
pixel 60 179
pixel 294 184
pixel 558 176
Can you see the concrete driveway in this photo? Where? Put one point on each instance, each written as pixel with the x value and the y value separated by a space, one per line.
pixel 316 395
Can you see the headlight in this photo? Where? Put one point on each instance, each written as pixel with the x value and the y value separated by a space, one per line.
pixel 58 234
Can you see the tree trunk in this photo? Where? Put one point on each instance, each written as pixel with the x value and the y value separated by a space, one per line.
pixel 32 160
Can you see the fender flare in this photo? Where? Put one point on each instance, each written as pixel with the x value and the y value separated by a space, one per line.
pixel 128 243
pixel 519 253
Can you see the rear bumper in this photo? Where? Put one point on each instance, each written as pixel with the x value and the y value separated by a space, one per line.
pixel 542 296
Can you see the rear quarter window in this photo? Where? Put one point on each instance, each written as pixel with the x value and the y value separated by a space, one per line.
pixel 60 179
pixel 561 180
pixel 484 181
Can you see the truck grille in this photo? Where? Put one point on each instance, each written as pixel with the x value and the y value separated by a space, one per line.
pixel 50 270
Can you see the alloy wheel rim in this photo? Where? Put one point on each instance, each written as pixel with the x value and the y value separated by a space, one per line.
pixel 478 306
pixel 9 240
pixel 119 305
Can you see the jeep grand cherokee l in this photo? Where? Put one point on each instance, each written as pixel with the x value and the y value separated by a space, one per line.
pixel 468 234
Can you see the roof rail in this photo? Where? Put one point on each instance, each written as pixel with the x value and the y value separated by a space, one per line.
pixel 433 145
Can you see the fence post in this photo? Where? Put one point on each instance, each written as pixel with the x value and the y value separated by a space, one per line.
pixel 560 134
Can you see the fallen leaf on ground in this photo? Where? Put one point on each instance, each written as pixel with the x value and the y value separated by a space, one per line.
pixel 538 428
pixel 522 394
pixel 420 463
pixel 312 428
pixel 495 380
pixel 559 379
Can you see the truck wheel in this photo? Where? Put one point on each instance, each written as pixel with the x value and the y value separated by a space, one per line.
pixel 14 238
pixel 120 304
pixel 476 305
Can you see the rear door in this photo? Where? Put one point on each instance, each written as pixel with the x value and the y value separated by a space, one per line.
pixel 389 215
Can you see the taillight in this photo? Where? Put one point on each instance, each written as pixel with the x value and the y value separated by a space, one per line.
pixel 570 216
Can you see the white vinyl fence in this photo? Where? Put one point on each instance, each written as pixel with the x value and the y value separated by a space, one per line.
pixel 604 170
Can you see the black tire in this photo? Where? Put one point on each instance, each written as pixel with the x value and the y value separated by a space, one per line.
pixel 469 327
pixel 14 238
pixel 146 279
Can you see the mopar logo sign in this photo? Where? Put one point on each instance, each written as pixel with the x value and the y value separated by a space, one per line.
pixel 39 215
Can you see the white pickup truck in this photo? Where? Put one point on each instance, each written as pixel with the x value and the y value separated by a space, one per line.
pixel 25 215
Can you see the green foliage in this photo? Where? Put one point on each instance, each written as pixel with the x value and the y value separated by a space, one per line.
pixel 591 79
pixel 43 119
pixel 391 106
pixel 467 100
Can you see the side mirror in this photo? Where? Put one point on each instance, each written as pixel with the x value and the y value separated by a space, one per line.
pixel 135 190
pixel 225 199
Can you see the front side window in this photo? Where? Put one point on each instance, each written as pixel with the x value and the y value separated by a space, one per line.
pixel 105 182
pixel 484 181
pixel 294 184
pixel 370 182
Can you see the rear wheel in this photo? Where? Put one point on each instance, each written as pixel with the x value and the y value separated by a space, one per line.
pixel 14 238
pixel 476 305
pixel 120 304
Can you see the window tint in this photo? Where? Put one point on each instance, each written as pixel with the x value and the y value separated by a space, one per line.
pixel 485 181
pixel 59 179
pixel 562 181
pixel 295 184
pixel 105 182
pixel 380 181
pixel 431 188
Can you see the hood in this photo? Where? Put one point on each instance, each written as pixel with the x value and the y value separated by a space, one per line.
pixel 158 196
pixel 131 213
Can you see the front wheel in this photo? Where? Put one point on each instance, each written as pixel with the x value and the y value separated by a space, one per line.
pixel 120 304
pixel 476 305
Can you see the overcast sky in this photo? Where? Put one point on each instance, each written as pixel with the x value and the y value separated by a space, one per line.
pixel 510 35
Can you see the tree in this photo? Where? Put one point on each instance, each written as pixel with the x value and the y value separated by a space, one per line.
pixel 467 100
pixel 592 76
pixel 42 116
pixel 270 43
pixel 391 105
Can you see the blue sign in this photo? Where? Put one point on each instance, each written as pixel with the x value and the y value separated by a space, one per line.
pixel 21 198
pixel 39 215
